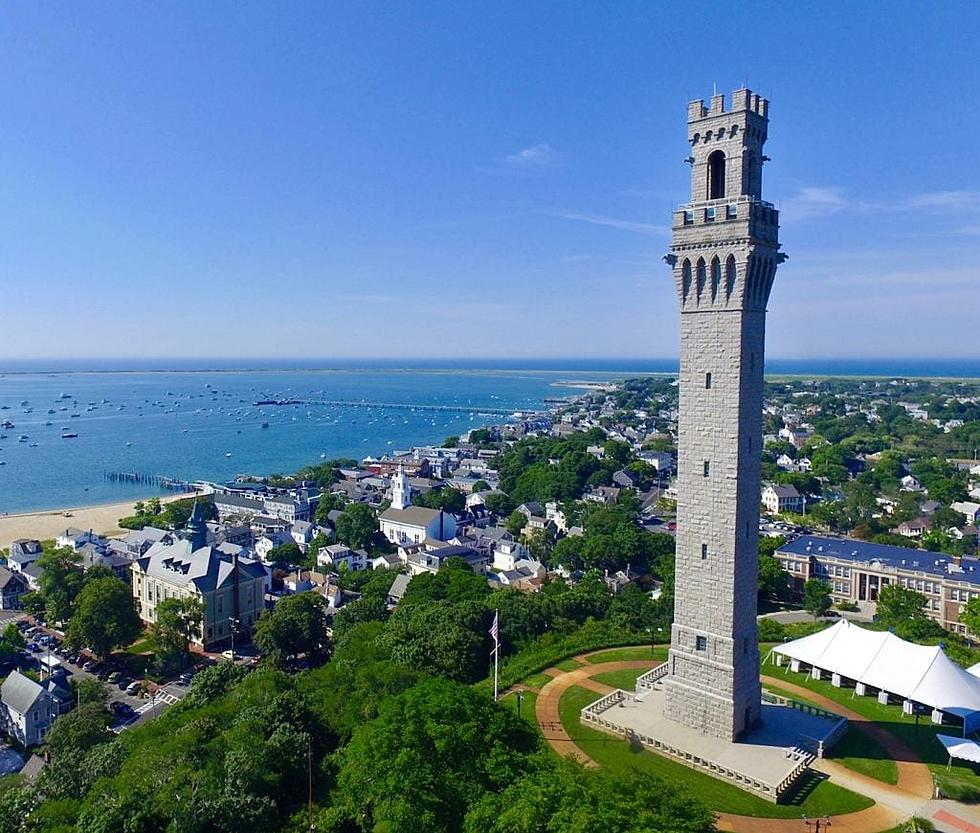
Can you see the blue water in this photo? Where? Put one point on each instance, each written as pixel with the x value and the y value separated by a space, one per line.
pixel 170 418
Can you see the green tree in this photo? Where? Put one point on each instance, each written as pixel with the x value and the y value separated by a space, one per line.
pixel 357 525
pixel 816 597
pixel 450 442
pixel 105 617
pixel 11 642
pixel 564 796
pixel 285 555
pixel 79 730
pixel 328 503
pixel 296 625
pixel 498 503
pixel 60 582
pixel 516 522
pixel 971 615
pixel 481 486
pixel 455 741
pixel 178 622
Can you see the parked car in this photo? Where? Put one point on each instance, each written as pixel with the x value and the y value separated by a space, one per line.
pixel 89 666
pixel 121 709
pixel 134 687
pixel 185 679
pixel 33 647
pixel 123 683
pixel 113 677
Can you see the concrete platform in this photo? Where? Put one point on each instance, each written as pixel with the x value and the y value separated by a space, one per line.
pixel 767 762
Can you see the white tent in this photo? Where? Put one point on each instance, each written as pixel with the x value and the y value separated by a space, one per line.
pixel 974 670
pixel 965 750
pixel 920 673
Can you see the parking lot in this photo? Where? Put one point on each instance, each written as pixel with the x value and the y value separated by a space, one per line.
pixel 129 708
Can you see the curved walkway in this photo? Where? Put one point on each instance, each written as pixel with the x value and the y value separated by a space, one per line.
pixel 895 803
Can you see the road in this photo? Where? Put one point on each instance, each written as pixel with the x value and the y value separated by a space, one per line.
pixel 143 708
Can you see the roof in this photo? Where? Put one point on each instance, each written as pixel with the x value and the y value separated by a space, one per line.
pixel 781 490
pixel 6 577
pixel 399 585
pixel 20 693
pixel 899 558
pixel 204 569
pixel 411 515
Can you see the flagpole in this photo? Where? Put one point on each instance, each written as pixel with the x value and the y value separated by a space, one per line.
pixel 496 651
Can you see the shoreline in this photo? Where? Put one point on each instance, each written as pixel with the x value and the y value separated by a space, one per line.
pixel 43 524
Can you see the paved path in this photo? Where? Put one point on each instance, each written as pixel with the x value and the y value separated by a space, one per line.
pixel 914 778
pixel 546 706
pixel 895 803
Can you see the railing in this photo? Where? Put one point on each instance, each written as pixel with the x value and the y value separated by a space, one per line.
pixel 771 792
pixel 648 680
pixel 819 746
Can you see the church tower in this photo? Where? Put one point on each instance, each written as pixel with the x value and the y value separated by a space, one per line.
pixel 401 490
pixel 196 531
pixel 724 253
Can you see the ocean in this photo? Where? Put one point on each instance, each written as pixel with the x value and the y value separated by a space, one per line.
pixel 198 421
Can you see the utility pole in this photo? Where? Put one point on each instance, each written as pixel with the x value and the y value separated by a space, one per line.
pixel 309 771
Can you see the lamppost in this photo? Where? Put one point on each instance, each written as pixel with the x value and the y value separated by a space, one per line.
pixel 520 699
pixel 233 624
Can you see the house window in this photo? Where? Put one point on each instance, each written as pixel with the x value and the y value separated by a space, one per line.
pixel 707 381
pixel 709 215
pixel 731 211
pixel 707 468
pixel 701 643
pixel 688 218
pixel 704 552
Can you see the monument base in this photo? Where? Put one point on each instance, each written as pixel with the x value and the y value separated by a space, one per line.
pixel 766 761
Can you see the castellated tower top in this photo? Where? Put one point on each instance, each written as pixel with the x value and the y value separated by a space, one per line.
pixel 726 146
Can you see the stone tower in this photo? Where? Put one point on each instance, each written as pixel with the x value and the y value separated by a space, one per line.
pixel 724 254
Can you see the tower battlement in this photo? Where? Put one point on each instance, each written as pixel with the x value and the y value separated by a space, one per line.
pixel 742 100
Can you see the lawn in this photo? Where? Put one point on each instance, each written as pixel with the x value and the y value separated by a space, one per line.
pixel 625 679
pixel 816 797
pixel 568 665
pixel 537 680
pixel 658 653
pixel 857 750
pixel 527 705
pixel 961 781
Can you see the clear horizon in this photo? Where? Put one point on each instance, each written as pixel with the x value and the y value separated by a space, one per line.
pixel 183 181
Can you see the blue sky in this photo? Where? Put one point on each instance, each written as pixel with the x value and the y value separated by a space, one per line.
pixel 495 179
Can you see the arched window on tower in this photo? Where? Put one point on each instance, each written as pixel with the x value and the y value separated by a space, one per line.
pixel 715 279
pixel 729 277
pixel 686 280
pixel 716 175
pixel 702 279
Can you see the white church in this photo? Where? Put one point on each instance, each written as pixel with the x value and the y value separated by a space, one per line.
pixel 403 523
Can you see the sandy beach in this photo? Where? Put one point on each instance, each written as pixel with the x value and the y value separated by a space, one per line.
pixel 51 522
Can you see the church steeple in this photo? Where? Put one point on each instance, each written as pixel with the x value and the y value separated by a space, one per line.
pixel 401 490
pixel 196 531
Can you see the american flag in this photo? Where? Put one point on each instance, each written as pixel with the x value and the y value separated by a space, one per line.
pixel 495 627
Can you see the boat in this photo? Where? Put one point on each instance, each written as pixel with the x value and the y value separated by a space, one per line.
pixel 227 454
pixel 23 438
pixel 70 435
pixel 6 424
pixel 265 424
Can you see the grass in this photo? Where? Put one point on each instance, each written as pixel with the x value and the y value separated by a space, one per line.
pixel 857 750
pixel 527 705
pixel 537 680
pixel 625 679
pixel 568 665
pixel 658 653
pixel 816 796
pixel 960 782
